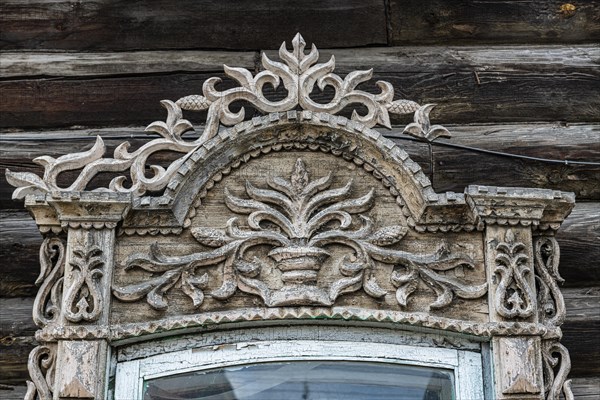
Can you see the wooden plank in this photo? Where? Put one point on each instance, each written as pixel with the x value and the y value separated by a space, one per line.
pixel 13 392
pixel 498 21
pixel 586 388
pixel 473 85
pixel 558 142
pixel 579 239
pixel 480 84
pixel 13 367
pixel 19 65
pixel 117 25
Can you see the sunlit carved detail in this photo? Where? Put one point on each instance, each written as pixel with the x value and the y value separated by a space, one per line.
pixel 83 298
pixel 297 72
pixel 514 297
pixel 41 366
pixel 46 308
pixel 298 219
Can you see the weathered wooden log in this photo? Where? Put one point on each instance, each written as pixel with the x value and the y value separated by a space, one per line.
pixel 560 142
pixel 209 24
pixel 504 21
pixel 470 85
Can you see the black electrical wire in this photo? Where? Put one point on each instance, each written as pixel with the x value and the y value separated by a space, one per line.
pixel 394 137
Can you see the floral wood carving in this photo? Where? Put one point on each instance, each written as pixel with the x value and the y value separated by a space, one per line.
pixel 41 366
pixel 84 296
pixel 514 297
pixel 298 219
pixel 298 73
pixel 47 304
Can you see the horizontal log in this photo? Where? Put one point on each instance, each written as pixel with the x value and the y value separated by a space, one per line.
pixel 579 239
pixel 13 364
pixel 564 144
pixel 39 64
pixel 117 25
pixel 560 142
pixel 501 21
pixel 583 320
pixel 470 85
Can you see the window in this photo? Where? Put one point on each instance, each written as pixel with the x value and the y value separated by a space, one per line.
pixel 347 363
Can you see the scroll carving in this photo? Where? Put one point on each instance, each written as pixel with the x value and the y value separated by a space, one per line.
pixel 550 300
pixel 47 304
pixel 41 366
pixel 83 299
pixel 514 297
pixel 298 218
pixel 557 365
pixel 298 72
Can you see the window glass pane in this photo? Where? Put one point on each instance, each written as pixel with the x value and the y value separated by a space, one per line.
pixel 307 380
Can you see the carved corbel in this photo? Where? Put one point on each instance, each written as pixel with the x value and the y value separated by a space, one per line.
pixel 552 312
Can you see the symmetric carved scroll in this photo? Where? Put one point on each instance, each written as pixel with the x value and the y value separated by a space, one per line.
pixel 84 295
pixel 514 297
pixel 46 308
pixel 41 366
pixel 557 365
pixel 298 73
pixel 298 219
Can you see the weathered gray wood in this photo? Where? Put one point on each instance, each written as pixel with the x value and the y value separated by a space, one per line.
pixel 15 350
pixel 579 239
pixel 586 388
pixel 470 85
pixel 209 24
pixel 19 242
pixel 504 21
pixel 63 64
pixel 559 142
pixel 9 392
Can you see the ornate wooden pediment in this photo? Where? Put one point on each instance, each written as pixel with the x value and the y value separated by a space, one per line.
pixel 295 215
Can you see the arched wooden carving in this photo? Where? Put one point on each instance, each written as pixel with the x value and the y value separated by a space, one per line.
pixel 296 214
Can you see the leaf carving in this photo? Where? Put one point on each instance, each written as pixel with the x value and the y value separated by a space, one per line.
pixel 388 235
pixel 210 237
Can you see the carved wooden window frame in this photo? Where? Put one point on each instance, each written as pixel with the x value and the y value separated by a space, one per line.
pixel 85 290
pixel 309 343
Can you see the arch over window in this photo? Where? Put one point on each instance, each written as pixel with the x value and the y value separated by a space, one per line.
pixel 298 217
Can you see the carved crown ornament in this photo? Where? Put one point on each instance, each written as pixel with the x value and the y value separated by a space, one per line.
pixel 298 214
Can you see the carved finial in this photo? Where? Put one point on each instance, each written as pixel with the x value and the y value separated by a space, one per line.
pixel 297 72
pixel 298 44
pixel 299 176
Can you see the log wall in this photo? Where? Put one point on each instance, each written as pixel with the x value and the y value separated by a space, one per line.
pixel 519 78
